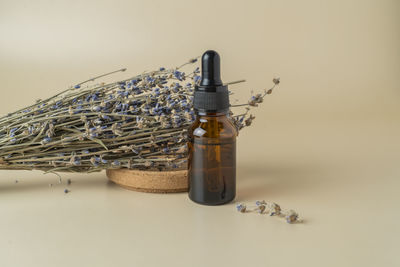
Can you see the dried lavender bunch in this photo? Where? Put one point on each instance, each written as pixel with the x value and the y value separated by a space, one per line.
pixel 139 123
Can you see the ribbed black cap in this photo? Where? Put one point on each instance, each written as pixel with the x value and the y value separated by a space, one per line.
pixel 211 95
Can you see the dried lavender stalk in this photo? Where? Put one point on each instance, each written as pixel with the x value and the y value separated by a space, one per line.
pixel 137 123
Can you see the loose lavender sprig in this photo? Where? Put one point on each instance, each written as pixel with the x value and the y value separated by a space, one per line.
pixel 271 208
pixel 140 122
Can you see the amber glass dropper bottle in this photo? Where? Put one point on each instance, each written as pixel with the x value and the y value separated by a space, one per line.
pixel 212 139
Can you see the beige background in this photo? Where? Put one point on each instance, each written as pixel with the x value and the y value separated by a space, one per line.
pixel 326 143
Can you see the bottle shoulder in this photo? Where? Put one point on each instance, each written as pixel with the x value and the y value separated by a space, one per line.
pixel 212 127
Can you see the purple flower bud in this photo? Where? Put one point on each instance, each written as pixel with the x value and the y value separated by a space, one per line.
pixel 105 117
pixel 179 75
pixel 96 108
pixel 150 79
pixel 46 140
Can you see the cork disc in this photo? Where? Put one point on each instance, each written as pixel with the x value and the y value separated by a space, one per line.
pixel 150 181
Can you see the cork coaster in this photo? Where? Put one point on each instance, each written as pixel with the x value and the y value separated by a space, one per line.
pixel 150 181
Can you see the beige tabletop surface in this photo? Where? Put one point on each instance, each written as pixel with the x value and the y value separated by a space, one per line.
pixel 341 178
pixel 326 143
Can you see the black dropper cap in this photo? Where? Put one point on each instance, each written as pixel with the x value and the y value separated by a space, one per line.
pixel 211 95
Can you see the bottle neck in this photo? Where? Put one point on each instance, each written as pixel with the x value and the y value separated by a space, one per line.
pixel 212 114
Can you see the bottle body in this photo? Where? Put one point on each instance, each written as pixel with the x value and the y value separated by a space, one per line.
pixel 212 159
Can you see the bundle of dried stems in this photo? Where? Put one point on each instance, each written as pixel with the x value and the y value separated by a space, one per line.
pixel 136 123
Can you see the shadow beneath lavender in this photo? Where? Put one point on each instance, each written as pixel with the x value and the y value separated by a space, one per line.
pixel 25 181
pixel 254 181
